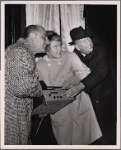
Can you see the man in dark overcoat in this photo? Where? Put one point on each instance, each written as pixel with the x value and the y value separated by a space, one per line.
pixel 99 83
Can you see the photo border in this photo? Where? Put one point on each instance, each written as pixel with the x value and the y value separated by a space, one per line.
pixel 2 77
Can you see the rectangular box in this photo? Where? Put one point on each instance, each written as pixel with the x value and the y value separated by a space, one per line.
pixel 53 101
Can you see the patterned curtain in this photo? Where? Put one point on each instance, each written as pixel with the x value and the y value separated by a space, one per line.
pixel 58 17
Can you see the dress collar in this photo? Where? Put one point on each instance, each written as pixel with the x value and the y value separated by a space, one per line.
pixel 52 60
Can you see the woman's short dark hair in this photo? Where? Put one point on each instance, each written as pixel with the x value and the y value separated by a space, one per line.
pixel 52 36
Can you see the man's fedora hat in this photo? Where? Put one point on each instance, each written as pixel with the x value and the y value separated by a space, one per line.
pixel 77 33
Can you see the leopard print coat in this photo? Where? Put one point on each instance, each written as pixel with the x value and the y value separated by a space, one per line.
pixel 21 85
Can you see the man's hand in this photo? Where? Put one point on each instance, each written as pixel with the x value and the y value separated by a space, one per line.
pixel 74 90
pixel 70 82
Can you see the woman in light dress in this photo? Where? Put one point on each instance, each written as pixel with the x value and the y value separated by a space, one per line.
pixel 76 123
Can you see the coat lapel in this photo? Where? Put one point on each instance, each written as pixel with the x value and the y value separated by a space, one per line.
pixel 82 58
pixel 86 60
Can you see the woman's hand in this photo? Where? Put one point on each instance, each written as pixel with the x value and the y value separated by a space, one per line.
pixel 74 90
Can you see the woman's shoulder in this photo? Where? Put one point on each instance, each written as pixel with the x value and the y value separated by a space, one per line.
pixel 69 57
pixel 68 54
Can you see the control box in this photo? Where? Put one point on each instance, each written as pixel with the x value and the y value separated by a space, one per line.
pixel 56 95
pixel 53 101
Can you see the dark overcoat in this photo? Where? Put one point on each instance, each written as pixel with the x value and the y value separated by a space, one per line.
pixel 99 84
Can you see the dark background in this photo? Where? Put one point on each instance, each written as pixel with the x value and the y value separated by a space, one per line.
pixel 15 22
pixel 100 22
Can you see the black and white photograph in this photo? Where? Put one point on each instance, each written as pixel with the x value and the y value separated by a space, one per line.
pixel 60 74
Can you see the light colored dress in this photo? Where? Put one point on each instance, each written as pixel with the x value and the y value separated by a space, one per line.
pixel 76 123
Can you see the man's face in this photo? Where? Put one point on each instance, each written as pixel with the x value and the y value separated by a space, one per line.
pixel 85 45
pixel 40 41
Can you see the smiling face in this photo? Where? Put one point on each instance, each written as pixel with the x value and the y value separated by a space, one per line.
pixel 85 45
pixel 55 49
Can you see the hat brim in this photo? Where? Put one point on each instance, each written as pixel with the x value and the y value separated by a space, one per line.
pixel 72 42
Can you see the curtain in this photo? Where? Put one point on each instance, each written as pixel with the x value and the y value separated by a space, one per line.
pixel 46 15
pixel 58 17
pixel 71 17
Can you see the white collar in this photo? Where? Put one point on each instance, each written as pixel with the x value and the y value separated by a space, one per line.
pixel 80 52
pixel 48 59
